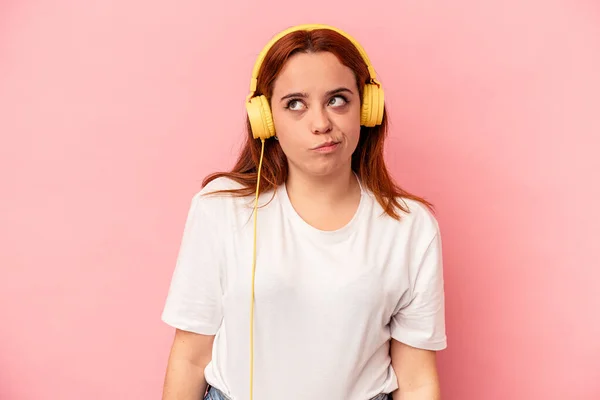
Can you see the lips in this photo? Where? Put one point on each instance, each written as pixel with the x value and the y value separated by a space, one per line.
pixel 326 145
pixel 326 148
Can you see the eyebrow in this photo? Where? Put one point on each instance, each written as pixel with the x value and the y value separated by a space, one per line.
pixel 305 95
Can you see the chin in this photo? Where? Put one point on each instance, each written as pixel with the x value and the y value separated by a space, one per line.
pixel 326 168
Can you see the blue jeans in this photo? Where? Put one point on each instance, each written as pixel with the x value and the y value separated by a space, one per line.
pixel 215 394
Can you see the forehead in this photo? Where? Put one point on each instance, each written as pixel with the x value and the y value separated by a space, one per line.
pixel 313 71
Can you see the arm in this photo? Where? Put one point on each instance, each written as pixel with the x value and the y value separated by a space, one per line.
pixel 190 354
pixel 193 305
pixel 418 328
pixel 416 373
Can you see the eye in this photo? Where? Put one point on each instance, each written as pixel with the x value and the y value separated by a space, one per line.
pixel 294 105
pixel 341 101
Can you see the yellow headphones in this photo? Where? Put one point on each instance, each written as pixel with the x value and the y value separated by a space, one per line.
pixel 261 122
pixel 259 111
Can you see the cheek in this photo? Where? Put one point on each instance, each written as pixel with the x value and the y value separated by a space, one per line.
pixel 287 128
pixel 351 129
pixel 353 139
pixel 281 122
pixel 287 134
pixel 350 123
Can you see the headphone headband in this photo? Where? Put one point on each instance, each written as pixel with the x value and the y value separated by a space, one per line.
pixel 307 27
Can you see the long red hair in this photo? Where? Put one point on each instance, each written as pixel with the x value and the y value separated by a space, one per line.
pixel 367 161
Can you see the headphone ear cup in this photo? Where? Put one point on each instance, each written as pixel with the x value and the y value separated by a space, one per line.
pixel 365 112
pixel 377 105
pixel 372 108
pixel 261 119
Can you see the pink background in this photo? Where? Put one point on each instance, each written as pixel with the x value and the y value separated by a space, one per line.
pixel 112 112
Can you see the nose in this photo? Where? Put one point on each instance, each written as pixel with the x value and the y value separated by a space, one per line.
pixel 320 121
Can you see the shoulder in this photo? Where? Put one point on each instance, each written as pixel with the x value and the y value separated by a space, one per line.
pixel 416 223
pixel 420 218
pixel 216 200
pixel 213 197
pixel 208 211
pixel 218 184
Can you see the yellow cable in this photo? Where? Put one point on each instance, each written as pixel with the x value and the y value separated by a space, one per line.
pixel 253 273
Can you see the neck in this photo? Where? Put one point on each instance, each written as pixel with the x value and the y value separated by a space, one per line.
pixel 327 190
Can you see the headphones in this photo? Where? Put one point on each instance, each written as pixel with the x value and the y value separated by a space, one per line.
pixel 259 111
pixel 261 123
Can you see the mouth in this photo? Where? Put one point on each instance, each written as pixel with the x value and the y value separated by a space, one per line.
pixel 326 147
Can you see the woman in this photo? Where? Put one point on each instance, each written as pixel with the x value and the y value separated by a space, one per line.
pixel 338 294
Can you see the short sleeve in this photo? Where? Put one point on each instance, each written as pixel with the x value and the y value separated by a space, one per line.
pixel 194 298
pixel 419 320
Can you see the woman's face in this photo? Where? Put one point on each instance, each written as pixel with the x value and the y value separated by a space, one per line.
pixel 316 112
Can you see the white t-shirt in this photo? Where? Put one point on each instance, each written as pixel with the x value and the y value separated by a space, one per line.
pixel 326 302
